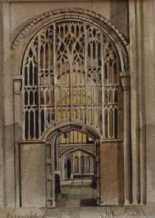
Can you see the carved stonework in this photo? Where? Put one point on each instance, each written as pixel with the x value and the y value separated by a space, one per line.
pixel 71 74
pixel 31 24
pixel 71 79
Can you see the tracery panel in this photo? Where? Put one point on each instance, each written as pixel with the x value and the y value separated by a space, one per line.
pixel 71 72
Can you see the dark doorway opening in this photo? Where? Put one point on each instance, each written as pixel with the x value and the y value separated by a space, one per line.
pixel 76 168
pixel 68 168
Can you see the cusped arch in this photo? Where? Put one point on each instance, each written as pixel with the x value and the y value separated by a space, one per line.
pixel 31 27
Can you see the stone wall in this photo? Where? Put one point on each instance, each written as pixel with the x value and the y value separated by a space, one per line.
pixel 111 173
pixel 33 175
pixel 119 16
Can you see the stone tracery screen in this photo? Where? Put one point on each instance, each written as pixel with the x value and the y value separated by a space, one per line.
pixel 71 73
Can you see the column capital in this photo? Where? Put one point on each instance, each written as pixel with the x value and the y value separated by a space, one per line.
pixel 17 84
pixel 125 81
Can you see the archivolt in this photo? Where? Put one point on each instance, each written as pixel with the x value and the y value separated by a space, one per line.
pixel 67 127
pixel 33 25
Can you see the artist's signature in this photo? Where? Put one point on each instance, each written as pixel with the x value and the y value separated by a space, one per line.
pixel 37 216
pixel 25 216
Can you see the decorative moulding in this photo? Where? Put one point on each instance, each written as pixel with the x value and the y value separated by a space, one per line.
pixel 38 21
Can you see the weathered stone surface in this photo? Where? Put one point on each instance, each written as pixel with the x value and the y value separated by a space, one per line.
pixel 107 212
pixel 33 175
pixel 111 173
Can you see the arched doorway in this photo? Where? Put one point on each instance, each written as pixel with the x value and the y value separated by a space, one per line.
pixel 73 72
pixel 74 168
pixel 78 162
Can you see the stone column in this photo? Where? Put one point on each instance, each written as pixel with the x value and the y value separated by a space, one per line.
pixel 126 137
pixel 2 156
pixel 148 96
pixel 17 135
pixel 50 180
pixel 8 110
pixel 98 170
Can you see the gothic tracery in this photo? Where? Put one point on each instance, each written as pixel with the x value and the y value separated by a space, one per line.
pixel 71 73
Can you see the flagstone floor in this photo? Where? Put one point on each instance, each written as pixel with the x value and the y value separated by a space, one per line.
pixel 83 212
pixel 76 196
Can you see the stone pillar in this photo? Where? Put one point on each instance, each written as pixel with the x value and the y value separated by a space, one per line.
pixel 2 157
pixel 126 138
pixel 50 180
pixel 137 92
pixel 53 153
pixel 18 131
pixel 10 197
pixel 98 169
pixel 148 96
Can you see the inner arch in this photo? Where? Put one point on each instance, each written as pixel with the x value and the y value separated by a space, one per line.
pixel 75 165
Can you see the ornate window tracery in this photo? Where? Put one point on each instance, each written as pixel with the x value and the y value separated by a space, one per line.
pixel 71 72
pixel 83 163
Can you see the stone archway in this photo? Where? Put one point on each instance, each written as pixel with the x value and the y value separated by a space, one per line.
pixel 112 147
pixel 50 139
